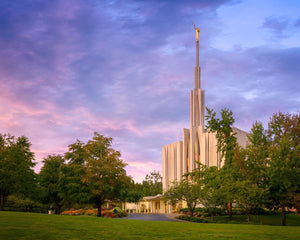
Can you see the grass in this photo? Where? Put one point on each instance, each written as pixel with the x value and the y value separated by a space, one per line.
pixel 16 225
pixel 275 220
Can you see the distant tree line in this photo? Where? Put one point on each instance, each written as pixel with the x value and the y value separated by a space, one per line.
pixel 265 174
pixel 88 173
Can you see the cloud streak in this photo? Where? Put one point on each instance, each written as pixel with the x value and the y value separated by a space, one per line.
pixel 125 69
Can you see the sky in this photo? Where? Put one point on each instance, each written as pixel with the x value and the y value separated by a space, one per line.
pixel 124 69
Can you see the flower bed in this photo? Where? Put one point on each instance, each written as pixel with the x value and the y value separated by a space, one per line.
pixel 104 213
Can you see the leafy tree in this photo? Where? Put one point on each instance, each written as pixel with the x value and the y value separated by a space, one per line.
pixel 249 196
pixel 284 160
pixel 16 163
pixel 223 128
pixel 256 155
pixel 226 145
pixel 49 178
pixel 251 167
pixel 152 185
pixel 211 195
pixel 73 189
pixel 184 190
pixel 105 174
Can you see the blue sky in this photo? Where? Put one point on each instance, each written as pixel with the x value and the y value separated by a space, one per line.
pixel 125 69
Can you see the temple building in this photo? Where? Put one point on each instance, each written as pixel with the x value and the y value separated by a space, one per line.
pixel 198 145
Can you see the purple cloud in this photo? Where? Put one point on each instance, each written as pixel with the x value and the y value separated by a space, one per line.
pixel 125 69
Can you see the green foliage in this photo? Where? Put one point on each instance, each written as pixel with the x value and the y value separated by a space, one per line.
pixel 269 167
pixel 131 192
pixel 49 178
pixel 192 219
pixel 15 203
pixel 91 172
pixel 184 190
pixel 104 173
pixel 249 196
pixel 117 210
pixel 284 161
pixel 71 184
pixel 152 185
pixel 226 145
pixel 212 193
pixel 253 161
pixel 224 133
pixel 16 163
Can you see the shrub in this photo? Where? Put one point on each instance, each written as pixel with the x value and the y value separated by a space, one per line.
pixel 15 203
pixel 117 210
pixel 192 219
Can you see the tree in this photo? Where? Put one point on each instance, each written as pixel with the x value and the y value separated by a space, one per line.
pixel 184 190
pixel 211 195
pixel 284 160
pixel 73 189
pixel 223 128
pixel 226 145
pixel 152 185
pixel 254 162
pixel 249 195
pixel 16 163
pixel 49 178
pixel 131 191
pixel 104 174
pixel 251 167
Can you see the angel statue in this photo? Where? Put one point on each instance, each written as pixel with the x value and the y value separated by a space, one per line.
pixel 197 32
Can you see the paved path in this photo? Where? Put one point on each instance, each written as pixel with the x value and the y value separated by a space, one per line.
pixel 152 217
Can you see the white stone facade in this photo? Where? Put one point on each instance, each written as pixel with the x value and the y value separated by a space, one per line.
pixel 197 145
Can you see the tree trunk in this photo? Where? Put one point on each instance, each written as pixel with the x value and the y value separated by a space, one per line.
pixel 2 202
pixel 191 211
pixel 248 217
pixel 212 216
pixel 230 210
pixel 283 216
pixel 99 211
pixel 99 201
pixel 58 207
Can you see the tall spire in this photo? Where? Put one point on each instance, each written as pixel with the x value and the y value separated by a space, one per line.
pixel 197 68
pixel 197 95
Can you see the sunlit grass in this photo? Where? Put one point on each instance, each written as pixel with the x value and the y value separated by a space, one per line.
pixel 14 225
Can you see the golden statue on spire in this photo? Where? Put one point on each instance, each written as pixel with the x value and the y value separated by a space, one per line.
pixel 197 32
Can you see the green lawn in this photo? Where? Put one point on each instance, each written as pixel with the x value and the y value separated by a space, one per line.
pixel 15 225
pixel 276 220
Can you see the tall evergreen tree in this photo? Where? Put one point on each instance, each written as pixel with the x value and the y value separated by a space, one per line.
pixel 74 190
pixel 16 163
pixel 50 178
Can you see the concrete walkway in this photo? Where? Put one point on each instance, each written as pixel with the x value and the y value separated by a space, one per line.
pixel 153 217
